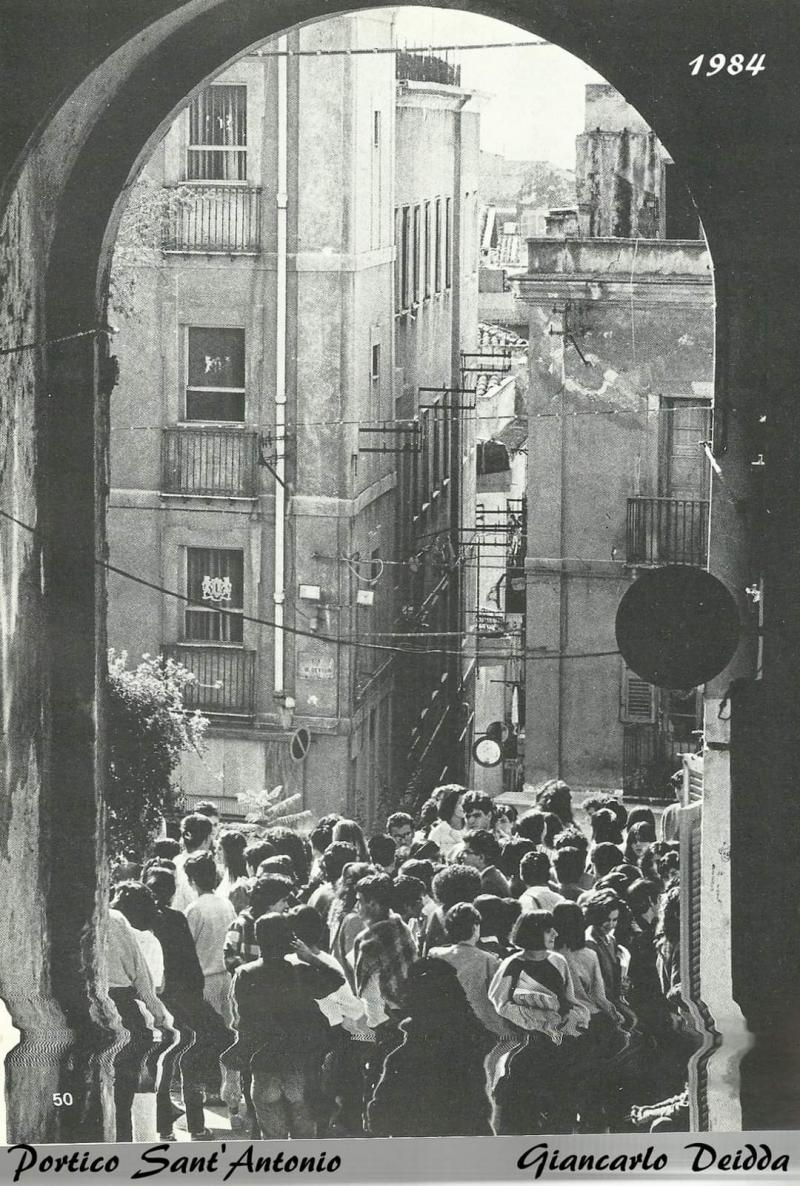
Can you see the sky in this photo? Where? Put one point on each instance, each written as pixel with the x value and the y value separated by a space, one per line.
pixel 533 108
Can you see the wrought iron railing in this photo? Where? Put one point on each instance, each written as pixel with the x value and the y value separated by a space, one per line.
pixel 224 678
pixel 421 67
pixel 210 461
pixel 211 219
pixel 649 758
pixel 667 531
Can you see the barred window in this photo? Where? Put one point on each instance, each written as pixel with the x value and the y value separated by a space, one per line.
pixel 217 149
pixel 214 583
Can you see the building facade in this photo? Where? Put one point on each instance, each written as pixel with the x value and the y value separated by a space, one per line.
pixel 621 329
pixel 263 371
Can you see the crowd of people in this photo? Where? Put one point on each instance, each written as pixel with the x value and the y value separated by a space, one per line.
pixel 465 972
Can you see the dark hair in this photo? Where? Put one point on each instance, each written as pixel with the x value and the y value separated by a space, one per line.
pixel 425 850
pixel 267 891
pixel 407 892
pixel 308 926
pixel 513 852
pixel 434 1003
pixel 273 934
pixel 376 888
pixel 448 801
pixel 460 921
pixel 254 854
pixel 570 923
pixel 161 882
pixel 478 801
pixel 641 815
pixel 201 868
pixel 137 903
pixel 569 864
pixel 669 915
pixel 642 895
pixel 195 829
pixel 507 811
pixel 556 796
pixel 335 857
pixel 456 883
pixel 606 857
pixel 165 846
pixel 428 813
pixel 629 872
pixel 609 802
pixel 420 869
pixel 281 863
pixel 668 866
pixel 288 843
pixel 552 826
pixel 483 844
pixel 492 915
pixel 350 876
pixel 534 868
pixel 605 829
pixel 156 863
pixel 232 845
pixel 399 819
pixel 616 881
pixel 529 929
pixel 322 834
pixel 572 837
pixel 531 825
pixel 598 905
pixel 642 832
pixel 510 910
pixel 206 808
pixel 351 833
pixel 381 849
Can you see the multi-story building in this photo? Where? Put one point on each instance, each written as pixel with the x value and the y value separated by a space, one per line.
pixel 621 325
pixel 270 350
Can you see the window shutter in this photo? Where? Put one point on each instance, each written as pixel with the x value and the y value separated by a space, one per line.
pixel 638 700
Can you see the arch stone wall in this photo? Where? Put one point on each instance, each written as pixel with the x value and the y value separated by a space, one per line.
pixel 85 88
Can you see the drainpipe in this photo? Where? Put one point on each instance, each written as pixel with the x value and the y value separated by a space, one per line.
pixel 278 595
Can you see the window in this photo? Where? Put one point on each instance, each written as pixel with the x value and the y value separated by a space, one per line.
pixel 437 446
pixel 215 582
pixel 417 248
pixel 448 243
pixel 375 372
pixel 405 259
pixel 428 254
pixel 217 149
pixel 215 374
pixel 637 700
pixel 437 267
pixel 376 129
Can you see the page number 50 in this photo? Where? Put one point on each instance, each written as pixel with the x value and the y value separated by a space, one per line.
pixel 62 1099
pixel 734 64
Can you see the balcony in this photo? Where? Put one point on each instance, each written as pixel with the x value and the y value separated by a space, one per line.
pixel 210 462
pixel 413 66
pixel 667 531
pixel 212 220
pixel 649 758
pixel 224 678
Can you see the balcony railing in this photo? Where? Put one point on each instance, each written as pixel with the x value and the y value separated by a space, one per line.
pixel 413 66
pixel 224 678
pixel 213 219
pixel 667 531
pixel 221 462
pixel 649 758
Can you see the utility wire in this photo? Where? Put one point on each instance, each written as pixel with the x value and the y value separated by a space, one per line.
pixel 395 49
pixel 83 333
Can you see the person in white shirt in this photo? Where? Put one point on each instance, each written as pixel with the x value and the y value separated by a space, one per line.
pixel 536 872
pixel 209 918
pixel 447 831
pixel 195 837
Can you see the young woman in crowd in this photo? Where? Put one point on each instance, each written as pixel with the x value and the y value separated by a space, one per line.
pixel 447 832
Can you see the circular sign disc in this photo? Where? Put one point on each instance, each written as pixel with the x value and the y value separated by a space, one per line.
pixel 487 752
pixel 677 627
pixel 299 743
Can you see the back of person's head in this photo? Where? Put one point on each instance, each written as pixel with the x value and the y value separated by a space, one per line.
pixel 630 872
pixel 460 922
pixel 448 797
pixel 598 905
pixel 137 903
pixel 308 926
pixel 641 815
pixel 195 830
pixel 534 868
pixel 207 808
pixel 232 845
pixel 615 881
pixel 285 842
pixel 434 1002
pixel 267 891
pixel 552 827
pixel 483 844
pixel 569 864
pixel 428 813
pixel 420 869
pixel 606 857
pixel 201 870
pixel 478 801
pixel 274 935
pixel 408 894
pixel 425 850
pixel 161 882
pixel 351 832
pixel 350 877
pixel 376 889
pixel 556 796
pixel 669 915
pixel 531 825
pixel 510 910
pixel 322 835
pixel 280 863
pixel 606 802
pixel 641 896
pixel 155 862
pixel 569 921
pixel 381 849
pixel 257 852
pixel 572 837
pixel 335 857
pixel 605 829
pixel 166 847
pixel 456 883
pixel 513 852
pixel 492 915
pixel 529 929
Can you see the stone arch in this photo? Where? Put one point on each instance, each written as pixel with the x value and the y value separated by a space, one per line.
pixel 60 203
